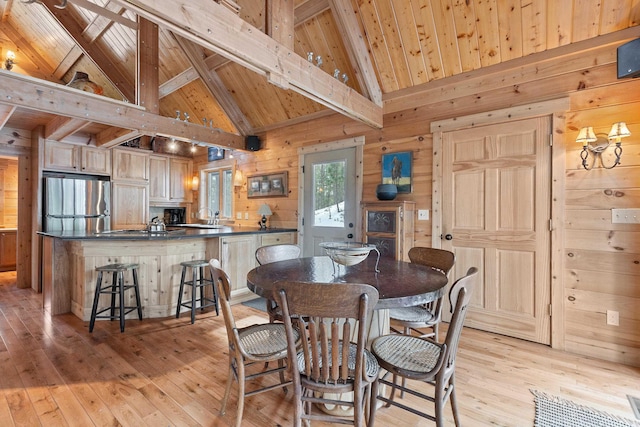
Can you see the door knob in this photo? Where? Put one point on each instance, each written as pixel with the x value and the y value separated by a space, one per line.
pixel 448 237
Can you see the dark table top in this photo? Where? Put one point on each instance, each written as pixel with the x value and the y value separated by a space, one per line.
pixel 172 233
pixel 399 283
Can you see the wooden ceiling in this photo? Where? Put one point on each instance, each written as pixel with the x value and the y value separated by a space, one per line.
pixel 376 48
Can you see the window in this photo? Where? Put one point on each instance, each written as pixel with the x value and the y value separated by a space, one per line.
pixel 218 191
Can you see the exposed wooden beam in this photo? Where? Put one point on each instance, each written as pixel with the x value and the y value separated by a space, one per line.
pixel 215 27
pixel 112 16
pixel 280 21
pixel 39 95
pixel 148 59
pixel 95 50
pixel 6 111
pixel 303 12
pixel 61 127
pixel 356 48
pixel 214 84
pixel 113 137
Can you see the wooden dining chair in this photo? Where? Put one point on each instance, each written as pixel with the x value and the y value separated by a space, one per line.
pixel 423 359
pixel 249 347
pixel 425 316
pixel 272 253
pixel 332 319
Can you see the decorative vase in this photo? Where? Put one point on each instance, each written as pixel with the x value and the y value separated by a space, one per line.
pixel 386 191
pixel 81 81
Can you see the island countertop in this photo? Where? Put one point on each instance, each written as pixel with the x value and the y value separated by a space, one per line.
pixel 70 259
pixel 172 233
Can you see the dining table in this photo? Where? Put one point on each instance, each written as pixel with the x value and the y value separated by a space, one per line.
pixel 399 283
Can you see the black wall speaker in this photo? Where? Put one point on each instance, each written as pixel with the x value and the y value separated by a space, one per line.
pixel 629 59
pixel 252 143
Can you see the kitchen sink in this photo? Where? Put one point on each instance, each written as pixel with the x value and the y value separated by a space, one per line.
pixel 199 225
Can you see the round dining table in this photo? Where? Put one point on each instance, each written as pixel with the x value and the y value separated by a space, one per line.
pixel 399 283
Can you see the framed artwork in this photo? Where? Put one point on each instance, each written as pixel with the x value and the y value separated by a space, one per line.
pixel 272 185
pixel 215 153
pixel 396 169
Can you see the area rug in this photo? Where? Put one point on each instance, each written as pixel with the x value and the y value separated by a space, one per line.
pixel 552 411
pixel 257 303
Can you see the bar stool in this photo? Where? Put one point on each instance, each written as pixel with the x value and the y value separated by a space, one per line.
pixel 117 287
pixel 197 282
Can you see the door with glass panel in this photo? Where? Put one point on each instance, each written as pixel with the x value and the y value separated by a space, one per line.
pixel 330 205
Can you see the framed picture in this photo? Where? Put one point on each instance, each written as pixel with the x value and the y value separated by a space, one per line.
pixel 215 153
pixel 272 185
pixel 396 169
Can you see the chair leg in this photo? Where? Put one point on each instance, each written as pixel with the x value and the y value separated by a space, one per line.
pixel 194 276
pixel 96 297
pixel 373 403
pixel 184 270
pixel 241 392
pixel 121 298
pixel 227 390
pixel 439 404
pixel 136 288
pixel 114 281
pixel 454 401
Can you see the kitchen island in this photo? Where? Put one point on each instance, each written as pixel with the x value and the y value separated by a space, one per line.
pixel 70 258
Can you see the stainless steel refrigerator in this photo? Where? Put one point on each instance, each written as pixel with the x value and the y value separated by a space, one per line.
pixel 76 202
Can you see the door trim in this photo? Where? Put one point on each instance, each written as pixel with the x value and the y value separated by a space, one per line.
pixel 557 110
pixel 358 143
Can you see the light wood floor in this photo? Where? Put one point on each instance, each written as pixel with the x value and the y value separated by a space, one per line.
pixel 167 372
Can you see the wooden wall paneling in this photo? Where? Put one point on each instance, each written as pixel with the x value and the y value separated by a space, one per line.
pixel 372 24
pixel 510 31
pixel 534 27
pixel 465 21
pixel 586 20
pixel 410 41
pixel 558 26
pixel 599 200
pixel 447 37
pixel 488 38
pixel 428 45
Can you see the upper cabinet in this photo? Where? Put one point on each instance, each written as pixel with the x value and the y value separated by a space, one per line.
pixel 169 179
pixel 130 165
pixel 59 156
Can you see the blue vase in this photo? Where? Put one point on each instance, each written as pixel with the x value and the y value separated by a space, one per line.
pixel 386 191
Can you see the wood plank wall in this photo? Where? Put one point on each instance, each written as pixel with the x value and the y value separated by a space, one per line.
pixel 602 260
pixel 8 193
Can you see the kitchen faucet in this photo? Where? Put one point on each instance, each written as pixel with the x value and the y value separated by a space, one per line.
pixel 209 212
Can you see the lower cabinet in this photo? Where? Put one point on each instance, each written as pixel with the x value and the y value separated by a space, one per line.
pixel 8 249
pixel 237 257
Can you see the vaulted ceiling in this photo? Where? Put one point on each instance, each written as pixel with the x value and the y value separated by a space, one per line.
pixel 236 68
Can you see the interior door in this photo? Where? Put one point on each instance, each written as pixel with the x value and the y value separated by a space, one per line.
pixel 330 202
pixel 495 215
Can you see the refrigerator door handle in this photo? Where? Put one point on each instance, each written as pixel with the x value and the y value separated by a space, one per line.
pixel 76 216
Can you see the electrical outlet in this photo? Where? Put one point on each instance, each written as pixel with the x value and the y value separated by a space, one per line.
pixel 246 215
pixel 238 215
pixel 423 214
pixel 613 318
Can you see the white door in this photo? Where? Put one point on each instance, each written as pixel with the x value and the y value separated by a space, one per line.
pixel 496 209
pixel 330 198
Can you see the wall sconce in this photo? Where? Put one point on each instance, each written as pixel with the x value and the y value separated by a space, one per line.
pixel 265 211
pixel 195 183
pixel 598 143
pixel 10 60
pixel 237 178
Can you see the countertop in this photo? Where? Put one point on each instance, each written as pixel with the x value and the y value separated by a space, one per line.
pixel 172 233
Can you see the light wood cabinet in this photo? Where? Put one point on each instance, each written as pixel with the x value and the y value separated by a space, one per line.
pixel 130 205
pixel 237 257
pixel 390 226
pixel 130 165
pixel 179 180
pixel 158 178
pixel 8 247
pixel 276 239
pixel 59 156
pixel 169 179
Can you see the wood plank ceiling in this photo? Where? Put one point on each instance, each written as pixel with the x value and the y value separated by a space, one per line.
pixel 378 48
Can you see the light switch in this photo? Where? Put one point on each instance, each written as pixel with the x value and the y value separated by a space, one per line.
pixel 423 214
pixel 238 215
pixel 246 215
